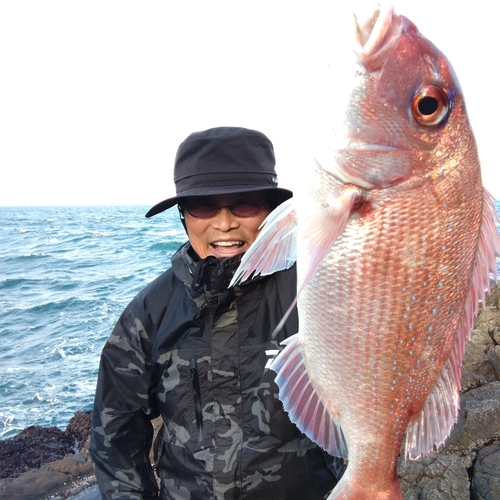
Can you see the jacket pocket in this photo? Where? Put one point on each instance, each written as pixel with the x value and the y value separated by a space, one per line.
pixel 198 408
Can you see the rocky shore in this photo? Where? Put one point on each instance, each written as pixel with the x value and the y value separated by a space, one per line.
pixel 48 463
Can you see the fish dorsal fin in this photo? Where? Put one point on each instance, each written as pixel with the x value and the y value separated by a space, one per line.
pixel 429 430
pixel 301 401
pixel 275 247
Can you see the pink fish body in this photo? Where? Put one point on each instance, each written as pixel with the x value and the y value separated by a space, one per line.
pixel 395 241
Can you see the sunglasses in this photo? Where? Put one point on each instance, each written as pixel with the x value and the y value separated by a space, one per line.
pixel 209 209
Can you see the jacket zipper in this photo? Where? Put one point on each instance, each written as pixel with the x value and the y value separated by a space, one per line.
pixel 195 381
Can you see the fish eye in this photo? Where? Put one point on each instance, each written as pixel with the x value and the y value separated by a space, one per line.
pixel 430 105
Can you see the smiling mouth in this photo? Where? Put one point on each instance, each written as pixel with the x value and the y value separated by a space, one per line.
pixel 227 244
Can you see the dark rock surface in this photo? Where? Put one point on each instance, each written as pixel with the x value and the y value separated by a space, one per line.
pixel 486 474
pixel 42 463
pixel 47 463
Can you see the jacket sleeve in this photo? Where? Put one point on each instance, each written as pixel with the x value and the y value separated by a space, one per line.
pixel 122 432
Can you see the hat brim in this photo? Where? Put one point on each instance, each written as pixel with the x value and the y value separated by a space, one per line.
pixel 282 194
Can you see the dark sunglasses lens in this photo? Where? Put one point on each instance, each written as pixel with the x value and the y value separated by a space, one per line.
pixel 207 210
pixel 202 210
pixel 245 209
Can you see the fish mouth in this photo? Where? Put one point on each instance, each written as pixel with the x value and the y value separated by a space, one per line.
pixel 374 34
pixel 341 164
pixel 343 175
pixel 361 146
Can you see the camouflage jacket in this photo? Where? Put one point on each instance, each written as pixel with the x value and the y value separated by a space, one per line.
pixel 196 353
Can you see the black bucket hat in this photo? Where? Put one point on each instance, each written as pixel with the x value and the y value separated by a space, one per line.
pixel 223 160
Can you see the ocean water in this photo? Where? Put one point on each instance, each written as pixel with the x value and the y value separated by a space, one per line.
pixel 66 274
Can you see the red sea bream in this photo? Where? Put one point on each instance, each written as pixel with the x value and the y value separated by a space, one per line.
pixel 395 240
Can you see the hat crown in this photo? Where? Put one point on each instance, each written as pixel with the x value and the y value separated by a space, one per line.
pixel 223 160
pixel 221 151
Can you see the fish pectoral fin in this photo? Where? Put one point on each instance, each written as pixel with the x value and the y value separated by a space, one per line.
pixel 275 247
pixel 322 230
pixel 303 404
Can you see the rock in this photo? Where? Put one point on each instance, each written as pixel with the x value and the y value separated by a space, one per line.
pixel 493 298
pixel 79 427
pixel 479 420
pixel 437 477
pixel 34 484
pixel 74 465
pixel 489 319
pixel 486 475
pixel 32 448
pixel 476 370
pixel 40 461
pixel 495 335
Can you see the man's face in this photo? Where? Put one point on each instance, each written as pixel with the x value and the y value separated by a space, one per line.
pixel 224 234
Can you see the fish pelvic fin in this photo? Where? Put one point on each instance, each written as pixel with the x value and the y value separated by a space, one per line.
pixel 274 248
pixel 432 426
pixel 305 408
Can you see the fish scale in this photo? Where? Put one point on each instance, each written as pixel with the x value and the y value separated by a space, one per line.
pixel 395 240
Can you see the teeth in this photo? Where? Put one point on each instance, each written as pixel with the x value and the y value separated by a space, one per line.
pixel 227 243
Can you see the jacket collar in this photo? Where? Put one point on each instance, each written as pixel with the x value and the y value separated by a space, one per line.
pixel 211 275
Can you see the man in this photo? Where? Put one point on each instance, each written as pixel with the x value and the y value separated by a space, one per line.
pixel 197 353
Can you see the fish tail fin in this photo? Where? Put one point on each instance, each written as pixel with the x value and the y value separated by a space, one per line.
pixel 357 488
pixel 301 401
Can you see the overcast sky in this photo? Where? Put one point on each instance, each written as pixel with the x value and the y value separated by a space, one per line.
pixel 96 95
